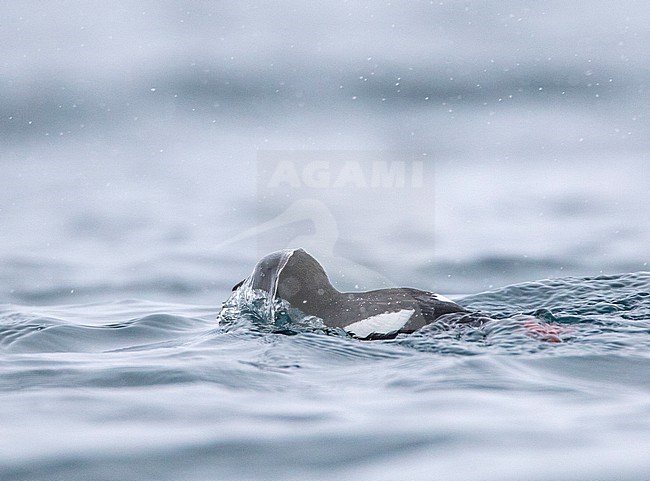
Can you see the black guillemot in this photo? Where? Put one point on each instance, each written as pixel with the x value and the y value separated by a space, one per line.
pixel 297 278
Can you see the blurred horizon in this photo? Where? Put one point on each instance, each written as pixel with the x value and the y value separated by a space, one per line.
pixel 130 133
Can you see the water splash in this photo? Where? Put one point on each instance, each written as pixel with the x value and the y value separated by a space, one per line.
pixel 258 310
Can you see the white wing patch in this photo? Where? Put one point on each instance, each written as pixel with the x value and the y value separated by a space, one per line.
pixel 385 323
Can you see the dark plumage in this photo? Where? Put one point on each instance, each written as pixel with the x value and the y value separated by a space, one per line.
pixel 298 278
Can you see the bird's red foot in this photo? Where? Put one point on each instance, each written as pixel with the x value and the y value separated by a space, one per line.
pixel 546 332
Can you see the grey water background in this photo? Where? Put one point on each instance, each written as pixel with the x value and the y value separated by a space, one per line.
pixel 130 138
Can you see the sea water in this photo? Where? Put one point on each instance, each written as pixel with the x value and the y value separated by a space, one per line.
pixel 130 138
pixel 144 390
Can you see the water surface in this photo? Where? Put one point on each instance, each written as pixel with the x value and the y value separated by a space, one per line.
pixel 130 141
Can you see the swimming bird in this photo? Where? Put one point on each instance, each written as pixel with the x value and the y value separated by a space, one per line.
pixel 296 277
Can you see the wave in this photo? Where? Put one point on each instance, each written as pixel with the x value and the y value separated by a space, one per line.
pixel 97 327
pixel 595 314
